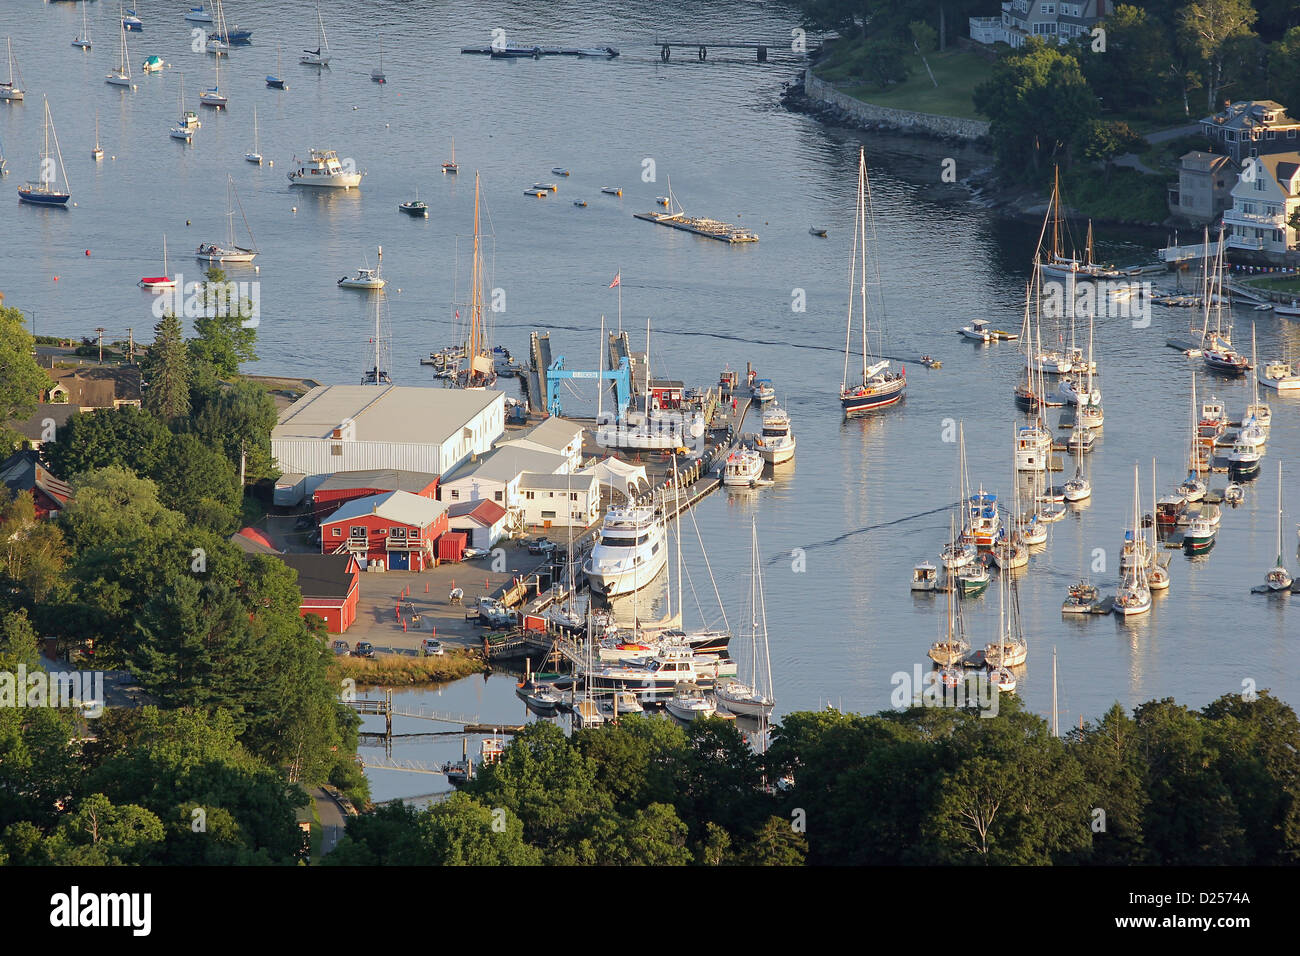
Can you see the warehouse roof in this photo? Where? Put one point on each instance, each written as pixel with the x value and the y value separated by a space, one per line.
pixel 385 413
pixel 399 506
pixel 554 433
pixel 387 479
pixel 504 463
pixel 322 575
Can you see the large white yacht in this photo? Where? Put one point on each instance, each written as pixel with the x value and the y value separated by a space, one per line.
pixel 631 551
pixel 776 444
pixel 324 168
pixel 658 431
pixel 655 678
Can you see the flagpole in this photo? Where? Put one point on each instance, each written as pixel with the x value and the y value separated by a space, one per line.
pixel 620 299
pixel 600 376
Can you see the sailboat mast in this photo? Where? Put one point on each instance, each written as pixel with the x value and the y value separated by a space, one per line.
pixel 475 280
pixel 862 251
pixel 600 376
pixel 1056 727
pixel 1056 213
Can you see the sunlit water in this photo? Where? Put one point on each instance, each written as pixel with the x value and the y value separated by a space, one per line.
pixel 846 623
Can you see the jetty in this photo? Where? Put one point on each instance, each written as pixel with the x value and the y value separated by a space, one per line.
pixel 709 228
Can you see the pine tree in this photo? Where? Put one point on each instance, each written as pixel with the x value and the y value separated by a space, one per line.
pixel 167 371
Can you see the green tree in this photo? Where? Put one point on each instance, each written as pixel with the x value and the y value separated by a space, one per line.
pixel 776 843
pixel 18 644
pixel 925 39
pixel 222 341
pixel 1207 29
pixel 98 832
pixel 1110 758
pixel 199 482
pixel 123 436
pixel 1109 140
pixel 166 371
pixel 462 832
pixel 1283 74
pixel 655 836
pixel 112 505
pixel 238 419
pixel 32 551
pixel 21 379
pixel 884 61
pixel 1132 71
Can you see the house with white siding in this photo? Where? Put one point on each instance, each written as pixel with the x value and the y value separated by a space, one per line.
pixel 496 477
pixel 550 501
pixel 1266 194
pixel 556 435
pixel 1046 19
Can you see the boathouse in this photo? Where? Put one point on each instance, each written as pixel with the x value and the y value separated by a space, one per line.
pixel 330 586
pixel 393 531
pixel 482 522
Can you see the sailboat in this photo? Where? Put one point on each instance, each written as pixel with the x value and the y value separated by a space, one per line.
pixel 451 167
pixel 1258 415
pixel 1010 649
pixel 97 151
pixel 159 283
pixel 1193 488
pixel 959 552
pixel 213 97
pixel 1078 488
pixel 479 370
pixel 211 252
pixel 321 55
pixel 378 373
pixel 953 648
pixel 83 38
pixel 256 155
pixel 184 128
pixel 1134 595
pixel 13 88
pixel 880 387
pixel 122 75
pixel 44 191
pixel 1157 574
pixel 1089 412
pixel 377 74
pixel 1216 349
pixel 752 699
pixel 1056 263
pixel 4 163
pixel 1279 578
pixel 219 39
pixel 274 80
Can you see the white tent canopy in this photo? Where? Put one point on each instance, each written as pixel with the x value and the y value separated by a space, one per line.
pixel 625 477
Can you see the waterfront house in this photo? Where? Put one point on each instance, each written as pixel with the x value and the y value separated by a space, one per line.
pixel 1252 128
pixel 482 522
pixel 43 424
pixel 337 428
pixel 560 500
pixel 344 486
pixel 330 586
pixel 1045 19
pixel 22 471
pixel 1204 188
pixel 1266 194
pixel 555 435
pixel 396 530
pixel 89 388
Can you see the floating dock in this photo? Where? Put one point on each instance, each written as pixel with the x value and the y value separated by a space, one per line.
pixel 522 52
pixel 709 228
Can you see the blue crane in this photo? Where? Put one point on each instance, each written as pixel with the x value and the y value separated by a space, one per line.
pixel 621 377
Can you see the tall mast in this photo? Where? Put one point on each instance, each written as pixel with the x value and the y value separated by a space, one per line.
pixel 1056 214
pixel 1279 514
pixel 476 279
pixel 677 508
pixel 600 376
pixel 1056 727
pixel 862 251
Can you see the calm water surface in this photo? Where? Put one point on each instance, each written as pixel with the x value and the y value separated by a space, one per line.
pixel 859 500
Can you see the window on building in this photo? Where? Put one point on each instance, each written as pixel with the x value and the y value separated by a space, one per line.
pixel 1049 9
pixel 548 514
pixel 357 531
pixel 529 495
pixel 455 494
pixel 397 534
pixel 497 496
pixel 1272 134
pixel 336 449
pixel 1254 151
pixel 338 532
pixel 576 515
pixel 1290 134
pixel 573 496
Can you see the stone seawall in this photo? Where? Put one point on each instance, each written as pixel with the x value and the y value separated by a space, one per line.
pixel 951 127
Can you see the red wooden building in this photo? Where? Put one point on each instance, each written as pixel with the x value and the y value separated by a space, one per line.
pixel 330 585
pixel 344 486
pixel 22 471
pixel 397 528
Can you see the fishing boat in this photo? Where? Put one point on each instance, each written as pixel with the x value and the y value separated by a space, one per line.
pixel 972 579
pixel 366 278
pixel 230 252
pixel 199 14
pixel 97 151
pixel 879 387
pixel 754 697
pixel 162 282
pixel 925 577
pixel 1081 598
pixel 12 89
pixel 1284 376
pixel 1243 461
pixel 414 207
pixel 689 703
pixel 1234 494
pixel 213 96
pixel 324 169
pixel 44 190
pixel 1200 534
pixel 83 38
pixel 450 166
pixel 377 75
pixel 743 467
pixel 1134 597
pixel 276 80
pixel 255 155
pixel 978 330
pixel 776 443
pixel 1279 578
pixel 122 75
pixel 321 55
pixel 629 552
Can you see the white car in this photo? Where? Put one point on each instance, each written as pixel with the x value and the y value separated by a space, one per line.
pixel 431 647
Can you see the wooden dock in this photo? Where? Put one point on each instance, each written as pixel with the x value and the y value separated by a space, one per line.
pixel 708 228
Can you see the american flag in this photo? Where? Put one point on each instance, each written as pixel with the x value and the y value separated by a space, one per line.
pixel 618 280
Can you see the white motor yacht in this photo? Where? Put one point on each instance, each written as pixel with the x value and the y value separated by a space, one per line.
pixel 324 169
pixel 776 444
pixel 630 552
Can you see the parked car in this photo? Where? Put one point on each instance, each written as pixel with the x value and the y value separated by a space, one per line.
pixel 364 649
pixel 541 546
pixel 431 647
pixel 341 648
pixel 469 554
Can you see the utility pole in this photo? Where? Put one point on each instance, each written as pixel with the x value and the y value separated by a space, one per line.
pixel 101 330
pixel 130 349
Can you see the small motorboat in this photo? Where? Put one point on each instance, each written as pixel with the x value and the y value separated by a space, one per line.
pixel 1081 598
pixel 950 676
pixel 689 703
pixel 198 15
pixel 930 362
pixel 817 231
pixel 662 200
pixel 559 171
pixel 549 187
pixel 540 697
pixel 763 390
pixel 743 467
pixel 415 207
pixel 153 64
pixel 978 330
pixel 537 192
pixel 364 279
pixel 1002 679
pixel 612 190
pixel 1234 494
pixel 580 202
pixel 972 579
pixel 925 577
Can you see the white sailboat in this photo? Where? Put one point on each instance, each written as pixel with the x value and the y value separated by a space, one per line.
pixel 214 97
pixel 1157 573
pixel 97 151
pixel 959 552
pixel 219 41
pixel 754 698
pixel 211 252
pixel 122 75
pixel 12 89
pixel 1010 649
pixel 1193 488
pixel 1134 595
pixel 952 649
pixel 184 128
pixel 1279 578
pixel 160 282
pixel 321 55
pixel 880 387
pixel 1258 415
pixel 256 155
pixel 83 38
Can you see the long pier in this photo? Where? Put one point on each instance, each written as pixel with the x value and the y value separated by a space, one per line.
pixel 708 228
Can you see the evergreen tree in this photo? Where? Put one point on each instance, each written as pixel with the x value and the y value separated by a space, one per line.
pixel 167 371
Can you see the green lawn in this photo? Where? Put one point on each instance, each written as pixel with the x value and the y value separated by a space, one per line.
pixel 1275 284
pixel 956 71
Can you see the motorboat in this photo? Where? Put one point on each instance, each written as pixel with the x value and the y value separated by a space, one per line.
pixel 776 443
pixel 689 703
pixel 414 207
pixel 612 190
pixel 630 552
pixel 1282 376
pixel 925 576
pixel 1081 440
pixel 656 679
pixel 1234 494
pixel 763 390
pixel 559 171
pixel 743 467
pixel 1002 679
pixel 1243 461
pixel 366 278
pixel 972 579
pixel 1033 447
pixel 324 169
pixel 153 64
pixel 199 14
pixel 1081 599
pixel 978 330
pixel 1200 534
pixel 539 696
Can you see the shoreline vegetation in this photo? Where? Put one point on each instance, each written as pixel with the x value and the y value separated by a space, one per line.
pixel 396 670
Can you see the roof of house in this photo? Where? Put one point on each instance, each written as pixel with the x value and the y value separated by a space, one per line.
pixel 504 464
pixel 1246 114
pixel 400 506
pixel 34 426
pixel 98 386
pixel 322 575
pixel 385 413
pixel 22 471
pixel 486 513
pixel 534 481
pixel 554 433
pixel 387 479
pixel 1282 167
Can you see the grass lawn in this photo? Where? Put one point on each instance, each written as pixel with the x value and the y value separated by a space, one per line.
pixel 1164 157
pixel 1275 283
pixel 956 71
